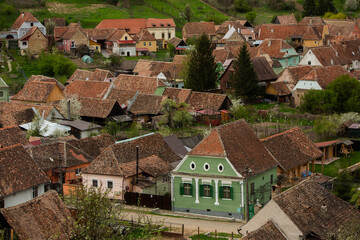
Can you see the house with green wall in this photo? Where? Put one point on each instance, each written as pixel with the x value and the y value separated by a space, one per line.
pixel 211 179
pixel 4 91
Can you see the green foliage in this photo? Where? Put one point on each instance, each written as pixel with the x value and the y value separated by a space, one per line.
pixel 244 79
pixel 201 75
pixel 8 15
pixel 111 128
pixel 325 127
pixel 55 65
pixel 318 7
pixel 187 13
pixel 281 5
pixel 115 60
pixel 246 112
pixel 175 114
pixel 309 8
pixel 250 16
pixel 182 117
pixel 242 6
pixel 36 128
pixel 350 230
pixel 344 186
pixel 341 95
pixel 171 49
pixel 330 15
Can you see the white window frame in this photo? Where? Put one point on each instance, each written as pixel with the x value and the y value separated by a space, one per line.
pixel 194 165
pixel 97 182
pixel 220 165
pixel 107 183
pixel 206 164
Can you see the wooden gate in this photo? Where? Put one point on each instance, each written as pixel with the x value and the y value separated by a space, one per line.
pixel 148 200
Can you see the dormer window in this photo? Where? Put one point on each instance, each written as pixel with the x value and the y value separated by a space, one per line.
pixel 154 25
pixel 169 24
pixel 162 25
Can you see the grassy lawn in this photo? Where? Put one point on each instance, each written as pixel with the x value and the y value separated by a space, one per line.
pixel 333 168
pixel 204 237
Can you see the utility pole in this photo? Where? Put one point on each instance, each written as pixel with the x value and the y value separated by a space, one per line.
pixel 246 172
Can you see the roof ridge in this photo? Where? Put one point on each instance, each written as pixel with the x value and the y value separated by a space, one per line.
pixel 10 147
pixel 13 126
pixel 279 134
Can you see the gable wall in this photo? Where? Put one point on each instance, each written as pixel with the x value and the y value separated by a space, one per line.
pixel 55 95
pixel 309 56
pixel 37 43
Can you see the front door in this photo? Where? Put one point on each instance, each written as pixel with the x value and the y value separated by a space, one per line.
pixel 128 54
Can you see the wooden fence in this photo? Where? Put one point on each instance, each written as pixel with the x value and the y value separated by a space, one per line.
pixel 148 200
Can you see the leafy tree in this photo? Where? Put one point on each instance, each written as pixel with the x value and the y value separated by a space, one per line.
pixel 50 25
pixel 111 128
pixel 82 50
pixel 169 108
pixel 176 114
pixel 242 6
pixel 325 127
pixel 309 8
pixel 244 79
pixel 351 5
pixel 187 13
pixel 350 230
pixel 344 186
pixel 250 16
pixel 182 117
pixel 319 101
pixel 171 49
pixel 201 75
pixel 320 7
pixel 8 15
pixel 330 15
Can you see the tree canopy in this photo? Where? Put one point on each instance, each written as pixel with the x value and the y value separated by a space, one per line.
pixel 244 79
pixel 201 74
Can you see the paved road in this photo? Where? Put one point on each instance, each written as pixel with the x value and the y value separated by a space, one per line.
pixel 191 225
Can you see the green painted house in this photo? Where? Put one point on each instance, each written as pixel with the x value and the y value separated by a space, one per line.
pixel 4 91
pixel 210 180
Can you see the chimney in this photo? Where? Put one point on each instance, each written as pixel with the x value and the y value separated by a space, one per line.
pixel 22 15
pixel 311 21
pixel 68 110
pixel 137 164
pixel 229 26
pixel 336 53
pixel 269 43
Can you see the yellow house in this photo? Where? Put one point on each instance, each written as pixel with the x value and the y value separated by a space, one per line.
pixel 145 42
pixel 162 29
pixel 94 46
pixel 314 38
pixel 34 42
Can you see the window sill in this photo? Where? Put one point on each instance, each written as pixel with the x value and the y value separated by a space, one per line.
pixel 189 196
pixel 206 197
pixel 226 199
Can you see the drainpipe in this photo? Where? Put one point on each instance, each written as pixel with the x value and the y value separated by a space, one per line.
pixel 137 164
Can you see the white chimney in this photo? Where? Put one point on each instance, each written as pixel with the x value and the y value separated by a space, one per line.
pixel 269 43
pixel 238 30
pixel 229 26
pixel 22 15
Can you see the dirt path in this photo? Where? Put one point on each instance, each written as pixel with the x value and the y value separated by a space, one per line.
pixel 190 225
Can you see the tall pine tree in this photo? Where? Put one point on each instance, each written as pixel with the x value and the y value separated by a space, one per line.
pixel 201 75
pixel 244 80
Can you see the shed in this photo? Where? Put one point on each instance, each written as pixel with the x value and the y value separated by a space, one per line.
pixel 354 130
pixel 82 129
pixel 47 128
pixel 329 150
pixel 87 59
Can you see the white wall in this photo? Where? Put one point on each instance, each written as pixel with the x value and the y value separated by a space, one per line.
pixel 117 190
pixel 274 212
pixel 87 133
pixel 303 84
pixel 166 30
pixel 117 50
pixel 25 27
pixel 22 196
pixel 309 57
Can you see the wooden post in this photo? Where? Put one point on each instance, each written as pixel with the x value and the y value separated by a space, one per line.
pixel 12 234
pixel 322 162
pixel 232 235
pixel 198 233
pixel 215 233
pixel 313 166
pixel 183 230
pixel 335 148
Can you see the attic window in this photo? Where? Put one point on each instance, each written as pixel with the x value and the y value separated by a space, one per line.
pixel 206 167
pixel 126 38
pixel 192 166
pixel 95 183
pixel 162 25
pixel 169 24
pixel 220 167
pixel 153 25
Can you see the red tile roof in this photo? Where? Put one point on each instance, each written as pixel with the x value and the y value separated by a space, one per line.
pixel 132 25
pixel 144 35
pixel 23 17
pixel 191 29
pixel 286 19
pixel 281 88
pixel 41 218
pixel 80 74
pixel 159 23
pixel 238 142
pixel 88 89
pixel 18 171
pixel 98 34
pixel 143 84
pixel 269 230
pixel 29 33
pixel 275 48
pixel 292 148
pixel 97 108
pixel 208 101
pixel 312 21
pixel 12 135
pixel 35 91
pixel 177 94
pixel 326 144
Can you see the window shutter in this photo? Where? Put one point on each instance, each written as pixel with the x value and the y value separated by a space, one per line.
pixel 201 190
pixel 221 192
pixel 211 190
pixel 231 193
pixel 181 189
pixel 191 189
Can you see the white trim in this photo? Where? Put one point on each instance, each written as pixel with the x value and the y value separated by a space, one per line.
pixel 197 190
pixel 205 181
pixel 226 183
pixel 172 188
pixel 92 183
pixel 181 163
pixel 206 164
pixel 186 180
pixel 107 183
pixel 216 192
pixel 221 178
pixel 220 165
pixel 192 162
pixel 238 174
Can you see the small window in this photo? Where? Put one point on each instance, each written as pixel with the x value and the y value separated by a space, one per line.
pixel 227 192
pixel 169 35
pixel 220 167
pixel 126 38
pixel 24 43
pixel 95 183
pixel 72 44
pixel 153 34
pixel 110 184
pixel 192 166
pixel 35 192
pixel 1 94
pixel 149 43
pixel 144 43
pixel 187 189
pixel 2 203
pixel 206 167
pixel 315 42
pixel 31 24
pixel 162 35
pixel 250 38
pixel 309 62
pixel 252 189
pixel 77 171
pixel 207 191
pixel 271 179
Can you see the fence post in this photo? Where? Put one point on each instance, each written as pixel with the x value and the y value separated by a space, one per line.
pixel 198 233
pixel 183 230
pixel 170 227
pixel 215 233
pixel 232 235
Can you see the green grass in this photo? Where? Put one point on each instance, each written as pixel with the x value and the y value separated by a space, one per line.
pixel 226 235
pixel 204 237
pixel 264 14
pixel 332 169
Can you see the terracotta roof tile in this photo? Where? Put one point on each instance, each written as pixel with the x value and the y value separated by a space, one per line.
pixel 208 101
pixel 98 108
pixel 110 160
pixel 312 21
pixel 88 89
pixel 327 56
pixel 240 145
pixel 281 88
pixel 225 27
pixel 143 84
pixel 12 135
pixel 116 35
pixel 133 25
pixel 79 74
pixel 286 19
pixel 98 34
pixel 35 91
pixel 159 23
pixel 23 17
pixel 40 218
pixel 191 29
pixel 146 104
pixel 18 171
pixel 29 33
pixel 145 35
pixel 269 230
pixel 177 94
pixel 299 148
pixel 154 68
pixel 101 75
pixel 264 71
pixel 275 48
pixel 313 209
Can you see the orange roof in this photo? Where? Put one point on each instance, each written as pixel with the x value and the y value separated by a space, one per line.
pixel 132 25
pixel 24 17
pixel 88 89
pixel 156 22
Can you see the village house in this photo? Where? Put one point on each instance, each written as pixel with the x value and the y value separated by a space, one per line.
pixel 80 128
pixel 4 90
pixel 145 43
pixel 285 19
pixel 318 79
pixel 121 43
pixel 98 38
pixel 89 89
pixel 211 179
pixel 196 29
pixel 143 84
pixel 40 90
pixel 323 57
pixel 33 42
pixel 100 75
pixel 233 35
pixel 294 162
pixel 115 168
pixel 306 210
pixel 41 218
pixel 24 23
pixel 245 30
pixel 179 44
pixel 22 179
pixel 70 37
pixel 11 136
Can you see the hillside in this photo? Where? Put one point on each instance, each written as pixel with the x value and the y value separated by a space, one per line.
pixel 91 12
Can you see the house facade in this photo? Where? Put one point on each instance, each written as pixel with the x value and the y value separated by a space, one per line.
pixel 24 23
pixel 122 43
pixel 210 180
pixel 34 42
